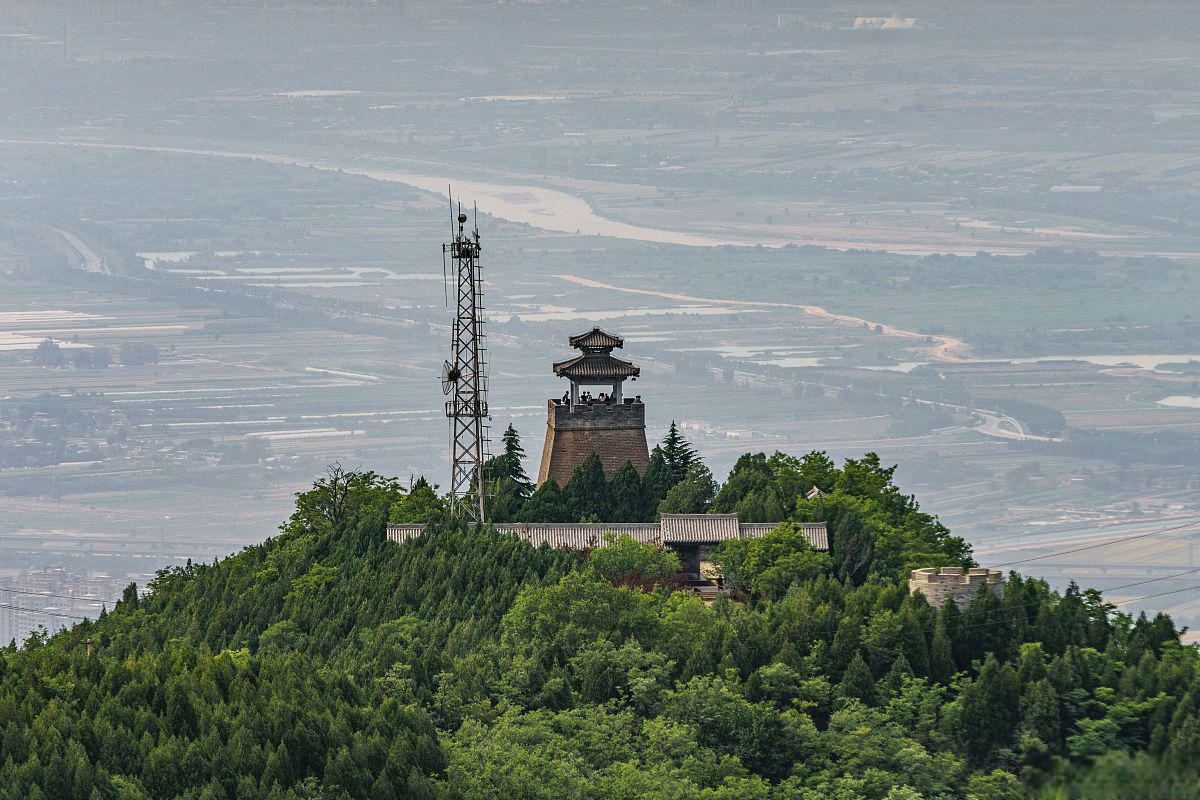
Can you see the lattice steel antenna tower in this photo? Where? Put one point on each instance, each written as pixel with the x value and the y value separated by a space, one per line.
pixel 464 376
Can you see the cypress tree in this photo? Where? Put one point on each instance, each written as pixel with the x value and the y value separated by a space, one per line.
pixel 893 682
pixel 983 629
pixel 656 482
pixel 845 645
pixel 508 487
pixel 546 504
pixel 1040 712
pixel 941 654
pixel 916 647
pixel 586 493
pixel 858 683
pixel 1048 630
pixel 626 492
pixel 1033 663
pixel 1014 609
pixel 990 709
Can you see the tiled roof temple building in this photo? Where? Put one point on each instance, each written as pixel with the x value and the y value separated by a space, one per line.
pixel 689 535
pixel 608 424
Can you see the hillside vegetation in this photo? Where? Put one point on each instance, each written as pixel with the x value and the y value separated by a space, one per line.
pixel 467 665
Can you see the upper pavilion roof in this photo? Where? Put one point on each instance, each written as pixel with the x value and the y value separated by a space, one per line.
pixel 596 339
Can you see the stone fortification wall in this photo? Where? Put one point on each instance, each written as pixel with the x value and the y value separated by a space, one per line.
pixel 958 584
pixel 615 432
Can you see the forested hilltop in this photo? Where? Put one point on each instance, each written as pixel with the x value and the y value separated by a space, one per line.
pixel 465 664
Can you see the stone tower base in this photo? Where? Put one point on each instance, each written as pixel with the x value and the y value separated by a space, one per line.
pixel 615 432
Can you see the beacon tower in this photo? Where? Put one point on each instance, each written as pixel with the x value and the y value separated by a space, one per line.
pixel 604 421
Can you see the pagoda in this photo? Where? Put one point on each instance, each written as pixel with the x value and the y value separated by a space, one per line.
pixel 604 422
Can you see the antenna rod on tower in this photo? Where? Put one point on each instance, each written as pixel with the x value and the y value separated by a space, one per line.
pixel 464 376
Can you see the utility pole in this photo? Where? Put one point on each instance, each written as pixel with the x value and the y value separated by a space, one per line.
pixel 464 376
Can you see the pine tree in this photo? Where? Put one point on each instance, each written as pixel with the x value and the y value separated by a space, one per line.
pixel 626 491
pixel 858 683
pixel 678 454
pixel 508 487
pixel 513 457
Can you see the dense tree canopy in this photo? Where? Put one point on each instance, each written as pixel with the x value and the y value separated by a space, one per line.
pixel 466 664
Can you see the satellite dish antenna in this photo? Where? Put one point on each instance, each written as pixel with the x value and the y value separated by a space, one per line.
pixel 450 376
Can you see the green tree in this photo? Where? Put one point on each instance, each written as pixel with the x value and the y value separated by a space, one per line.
pixel 750 491
pixel 508 486
pixel 770 564
pixel 692 495
pixel 990 711
pixel 624 561
pixel 49 354
pixel 547 504
pixel 587 493
pixel 626 492
pixel 858 683
pixel 678 455
pixel 418 505
pixel 339 494
pixel 656 482
pixel 941 654
pixel 1040 713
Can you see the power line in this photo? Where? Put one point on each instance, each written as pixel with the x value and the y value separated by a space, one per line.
pixel 1160 594
pixel 1152 580
pixel 1191 524
pixel 39 611
pixel 57 596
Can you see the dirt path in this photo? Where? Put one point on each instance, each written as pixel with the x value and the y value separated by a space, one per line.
pixel 937 347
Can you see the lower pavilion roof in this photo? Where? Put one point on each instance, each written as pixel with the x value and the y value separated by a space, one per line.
pixel 671 529
pixel 596 366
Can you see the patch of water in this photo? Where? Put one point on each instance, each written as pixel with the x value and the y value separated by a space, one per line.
pixel 153 258
pixel 1181 401
pixel 570 314
pixel 42 317
pixel 790 361
pixel 1148 361
pixel 18 341
pixel 318 93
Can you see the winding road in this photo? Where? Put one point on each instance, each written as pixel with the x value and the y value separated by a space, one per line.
pixel 937 347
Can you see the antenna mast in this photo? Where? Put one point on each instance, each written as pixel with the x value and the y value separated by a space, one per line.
pixel 464 376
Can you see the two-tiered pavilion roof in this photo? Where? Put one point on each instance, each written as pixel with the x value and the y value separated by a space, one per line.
pixel 596 364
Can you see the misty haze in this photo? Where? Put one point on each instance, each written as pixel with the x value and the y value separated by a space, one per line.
pixel 963 236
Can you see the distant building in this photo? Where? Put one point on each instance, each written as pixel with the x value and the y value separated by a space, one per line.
pixel 953 582
pixel 608 424
pixel 689 535
pixel 885 24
